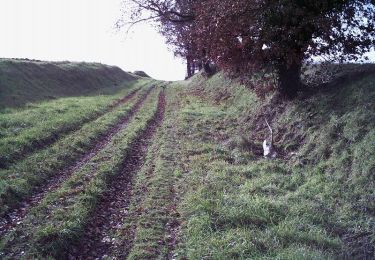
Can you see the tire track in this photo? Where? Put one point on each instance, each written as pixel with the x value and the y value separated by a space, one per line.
pixel 49 140
pixel 114 205
pixel 16 215
pixel 156 209
pixel 173 226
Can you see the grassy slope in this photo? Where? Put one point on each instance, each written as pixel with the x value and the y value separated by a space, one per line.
pixel 316 203
pixel 23 81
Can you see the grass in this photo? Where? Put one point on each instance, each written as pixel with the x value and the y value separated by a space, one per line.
pixel 153 203
pixel 153 207
pixel 25 81
pixel 315 204
pixel 24 130
pixel 19 181
pixel 57 223
pixel 206 192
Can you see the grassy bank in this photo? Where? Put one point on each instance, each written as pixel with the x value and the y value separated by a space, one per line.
pixel 314 202
pixel 26 81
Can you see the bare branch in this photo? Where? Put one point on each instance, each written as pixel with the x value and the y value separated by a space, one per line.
pixel 269 127
pixel 133 23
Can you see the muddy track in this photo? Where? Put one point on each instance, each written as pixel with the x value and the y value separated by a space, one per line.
pixel 112 210
pixel 47 141
pixel 16 214
pixel 173 227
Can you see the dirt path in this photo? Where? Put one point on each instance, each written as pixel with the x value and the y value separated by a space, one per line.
pixel 42 143
pixel 16 215
pixel 99 241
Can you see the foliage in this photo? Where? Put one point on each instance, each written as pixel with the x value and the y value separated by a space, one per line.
pixel 244 36
pixel 141 74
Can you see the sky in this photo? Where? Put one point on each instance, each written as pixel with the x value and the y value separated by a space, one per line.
pixel 83 30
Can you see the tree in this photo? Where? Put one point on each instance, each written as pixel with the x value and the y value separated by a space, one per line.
pixel 180 37
pixel 176 23
pixel 244 36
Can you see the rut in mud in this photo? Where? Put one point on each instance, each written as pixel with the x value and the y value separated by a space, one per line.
pixel 173 227
pixel 45 142
pixel 18 213
pixel 98 240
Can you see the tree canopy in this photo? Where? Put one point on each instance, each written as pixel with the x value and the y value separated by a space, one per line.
pixel 244 36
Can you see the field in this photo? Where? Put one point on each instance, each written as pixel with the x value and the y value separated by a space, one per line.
pixel 145 169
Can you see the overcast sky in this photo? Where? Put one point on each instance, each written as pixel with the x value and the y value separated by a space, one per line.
pixel 83 30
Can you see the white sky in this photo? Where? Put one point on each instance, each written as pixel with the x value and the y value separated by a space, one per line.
pixel 83 30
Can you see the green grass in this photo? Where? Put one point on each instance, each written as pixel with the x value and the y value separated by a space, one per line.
pixel 204 171
pixel 317 204
pixel 152 207
pixel 18 182
pixel 25 81
pixel 58 221
pixel 24 130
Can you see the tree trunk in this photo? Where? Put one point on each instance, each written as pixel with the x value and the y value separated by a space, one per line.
pixel 207 68
pixel 188 68
pixel 199 66
pixel 289 79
